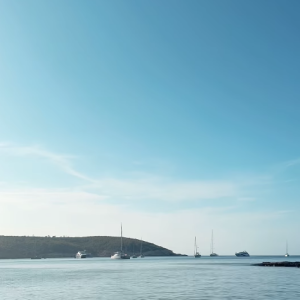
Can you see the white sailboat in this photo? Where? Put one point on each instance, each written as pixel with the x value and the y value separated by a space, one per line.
pixel 141 252
pixel 120 254
pixel 286 250
pixel 212 245
pixel 196 253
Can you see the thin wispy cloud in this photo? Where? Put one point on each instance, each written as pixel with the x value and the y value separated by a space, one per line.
pixel 282 167
pixel 292 162
pixel 60 160
pixel 36 196
pixel 166 189
pixel 141 187
pixel 246 199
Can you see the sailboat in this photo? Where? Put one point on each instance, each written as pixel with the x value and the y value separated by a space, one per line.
pixel 286 250
pixel 141 253
pixel 133 254
pixel 196 253
pixel 212 245
pixel 120 254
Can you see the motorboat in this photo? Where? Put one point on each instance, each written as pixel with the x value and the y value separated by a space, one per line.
pixel 242 254
pixel 83 254
pixel 196 253
pixel 116 255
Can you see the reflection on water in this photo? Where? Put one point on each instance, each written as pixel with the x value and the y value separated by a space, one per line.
pixel 148 278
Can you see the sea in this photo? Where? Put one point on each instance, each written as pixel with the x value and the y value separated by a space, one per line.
pixel 186 278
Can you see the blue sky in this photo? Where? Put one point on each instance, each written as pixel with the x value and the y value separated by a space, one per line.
pixel 173 117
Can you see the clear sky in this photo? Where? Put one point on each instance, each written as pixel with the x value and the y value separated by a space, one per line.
pixel 173 117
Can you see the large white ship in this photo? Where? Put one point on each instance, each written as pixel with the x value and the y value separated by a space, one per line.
pixel 242 254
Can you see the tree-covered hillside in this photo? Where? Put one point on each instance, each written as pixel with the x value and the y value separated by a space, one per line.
pixel 26 247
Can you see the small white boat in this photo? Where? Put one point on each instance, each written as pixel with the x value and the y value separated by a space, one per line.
pixel 116 255
pixel 196 253
pixel 212 245
pixel 120 255
pixel 83 254
pixel 242 254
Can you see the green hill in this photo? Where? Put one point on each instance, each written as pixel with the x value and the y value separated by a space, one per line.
pixel 102 246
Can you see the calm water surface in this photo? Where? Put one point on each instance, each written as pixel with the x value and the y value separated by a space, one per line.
pixel 148 278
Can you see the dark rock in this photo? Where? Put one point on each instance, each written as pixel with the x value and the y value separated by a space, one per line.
pixel 295 264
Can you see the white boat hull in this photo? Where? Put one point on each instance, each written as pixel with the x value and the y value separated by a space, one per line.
pixel 83 254
pixel 119 255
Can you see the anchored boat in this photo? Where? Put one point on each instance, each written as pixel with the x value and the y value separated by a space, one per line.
pixel 212 245
pixel 83 254
pixel 196 253
pixel 242 254
pixel 141 252
pixel 286 250
pixel 120 254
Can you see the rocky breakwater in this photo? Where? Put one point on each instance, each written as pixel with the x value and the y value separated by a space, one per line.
pixel 295 264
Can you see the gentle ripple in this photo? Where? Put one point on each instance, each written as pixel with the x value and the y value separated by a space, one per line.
pixel 148 278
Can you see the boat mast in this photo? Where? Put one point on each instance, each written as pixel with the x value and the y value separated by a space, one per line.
pixel 212 241
pixel 286 247
pixel 195 247
pixel 121 239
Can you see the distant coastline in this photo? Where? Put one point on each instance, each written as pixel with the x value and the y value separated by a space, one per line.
pixel 13 247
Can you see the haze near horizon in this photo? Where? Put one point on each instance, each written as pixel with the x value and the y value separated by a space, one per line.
pixel 172 117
